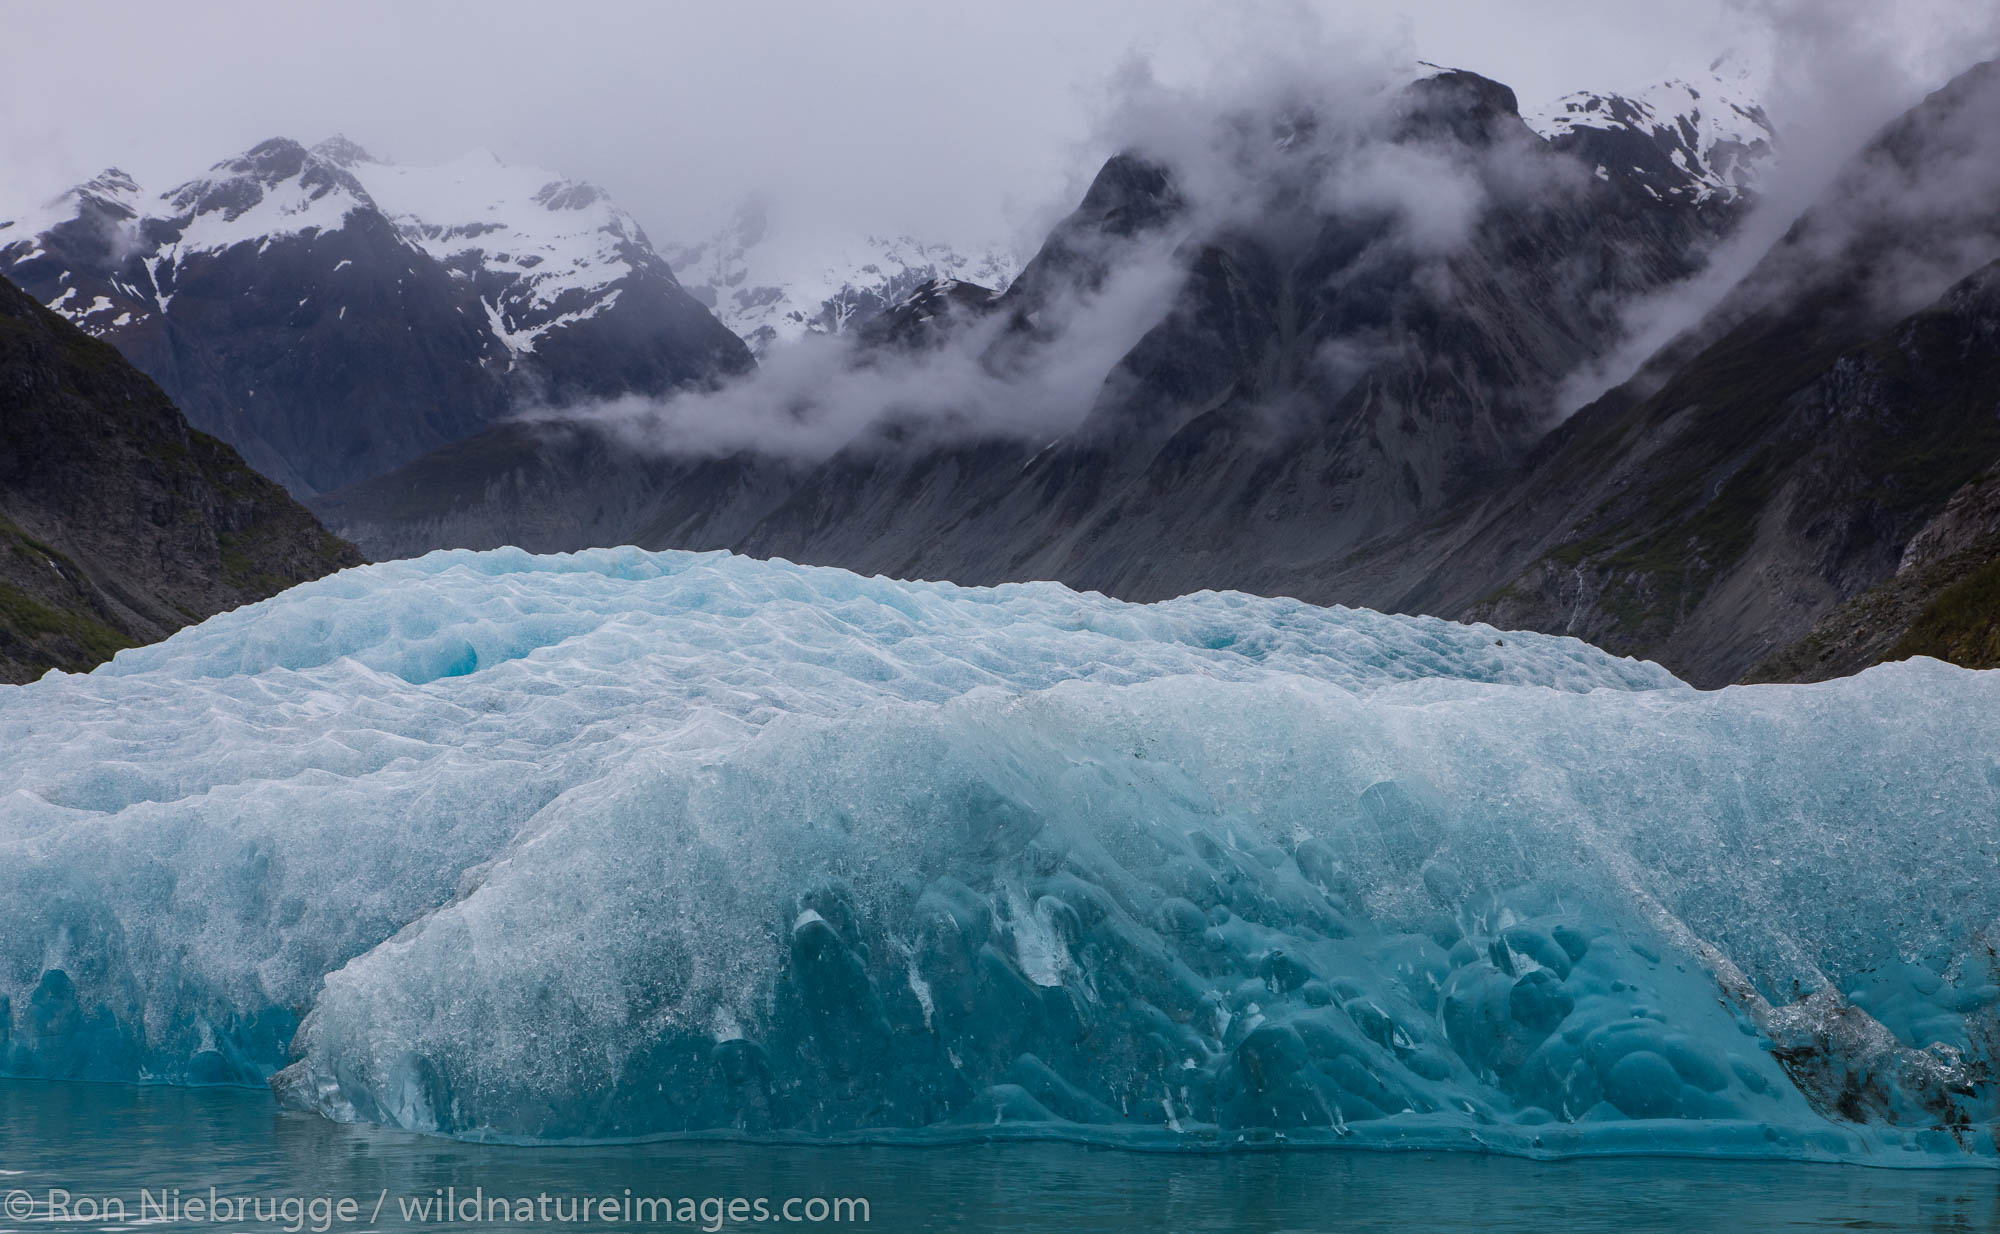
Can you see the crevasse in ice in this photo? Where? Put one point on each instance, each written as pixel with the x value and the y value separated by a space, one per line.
pixel 623 844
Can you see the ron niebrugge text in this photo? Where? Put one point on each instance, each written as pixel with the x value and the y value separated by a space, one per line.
pixel 443 1206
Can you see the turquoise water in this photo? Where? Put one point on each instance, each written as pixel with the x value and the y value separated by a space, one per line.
pixel 100 1142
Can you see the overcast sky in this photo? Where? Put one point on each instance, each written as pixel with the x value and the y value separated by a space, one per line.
pixel 969 121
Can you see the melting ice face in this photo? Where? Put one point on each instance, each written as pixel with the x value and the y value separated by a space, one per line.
pixel 624 844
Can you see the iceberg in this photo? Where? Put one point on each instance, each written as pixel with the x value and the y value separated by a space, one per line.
pixel 620 844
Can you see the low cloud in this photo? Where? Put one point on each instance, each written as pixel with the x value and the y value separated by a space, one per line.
pixel 824 393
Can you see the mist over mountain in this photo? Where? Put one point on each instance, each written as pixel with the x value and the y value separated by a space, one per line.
pixel 1309 312
pixel 775 281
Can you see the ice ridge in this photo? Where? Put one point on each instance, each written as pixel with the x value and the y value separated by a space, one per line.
pixel 623 844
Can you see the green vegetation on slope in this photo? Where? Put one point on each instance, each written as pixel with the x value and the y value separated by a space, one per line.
pixel 1961 625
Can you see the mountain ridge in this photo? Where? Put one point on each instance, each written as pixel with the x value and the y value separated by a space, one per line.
pixel 331 336
pixel 1187 406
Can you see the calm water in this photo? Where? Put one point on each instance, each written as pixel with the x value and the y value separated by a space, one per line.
pixel 103 1142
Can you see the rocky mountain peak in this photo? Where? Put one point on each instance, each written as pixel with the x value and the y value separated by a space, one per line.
pixel 928 315
pixel 102 204
pixel 111 188
pixel 277 187
pixel 1456 104
pixel 342 152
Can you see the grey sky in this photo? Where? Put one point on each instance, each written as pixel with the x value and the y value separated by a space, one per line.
pixel 960 120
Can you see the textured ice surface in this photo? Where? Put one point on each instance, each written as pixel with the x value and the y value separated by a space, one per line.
pixel 625 844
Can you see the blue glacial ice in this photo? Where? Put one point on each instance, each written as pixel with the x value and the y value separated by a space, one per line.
pixel 623 844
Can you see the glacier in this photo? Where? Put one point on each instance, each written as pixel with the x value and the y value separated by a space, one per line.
pixel 620 844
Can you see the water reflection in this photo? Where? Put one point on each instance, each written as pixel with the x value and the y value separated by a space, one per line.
pixel 99 1142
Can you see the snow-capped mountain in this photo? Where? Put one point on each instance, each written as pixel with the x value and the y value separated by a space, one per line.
pixel 99 219
pixel 333 315
pixel 112 194
pixel 1702 137
pixel 773 282
pixel 541 251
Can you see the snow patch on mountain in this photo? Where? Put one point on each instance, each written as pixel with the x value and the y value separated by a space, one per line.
pixel 288 207
pixel 1708 123
pixel 773 283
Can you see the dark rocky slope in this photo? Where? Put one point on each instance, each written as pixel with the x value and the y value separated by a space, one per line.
pixel 1942 601
pixel 1781 459
pixel 119 524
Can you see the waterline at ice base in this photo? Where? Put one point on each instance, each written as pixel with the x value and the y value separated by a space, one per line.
pixel 622 845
